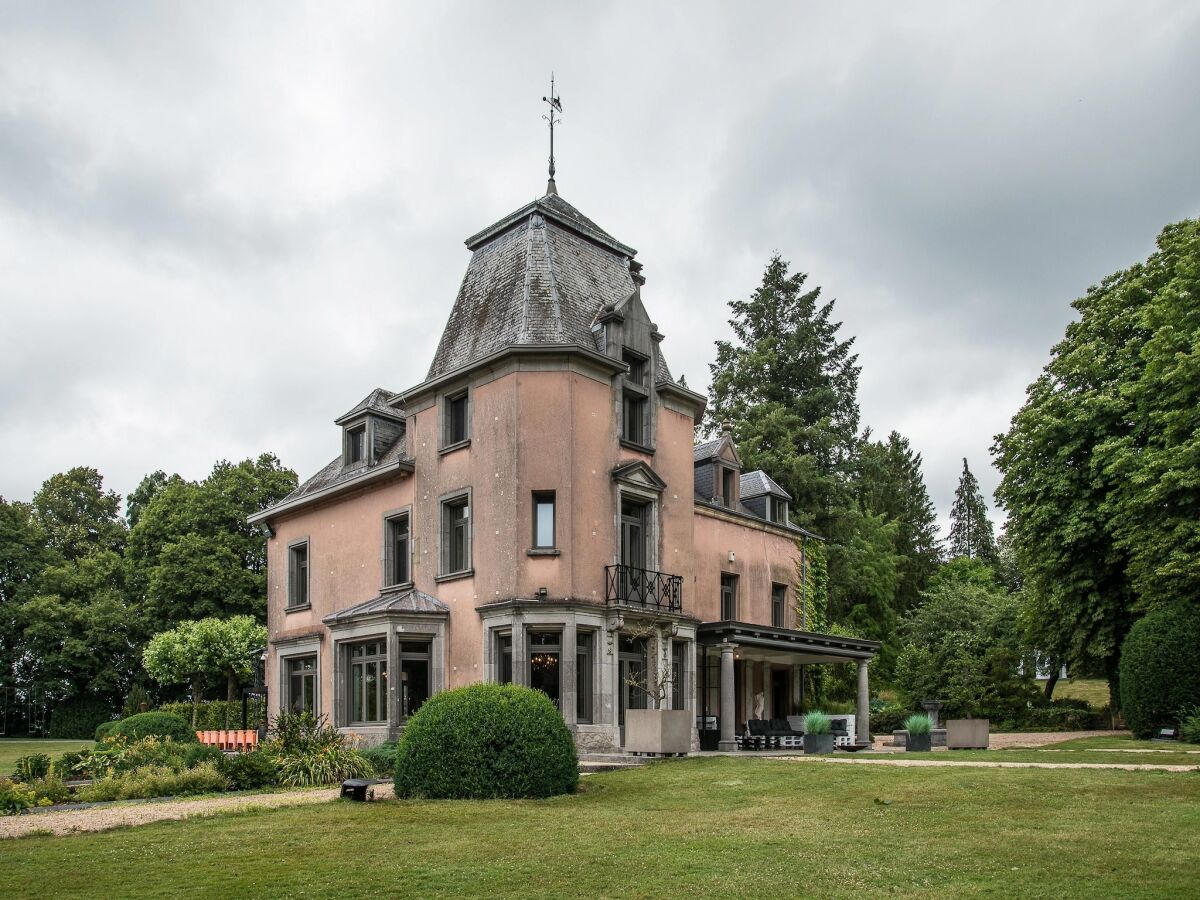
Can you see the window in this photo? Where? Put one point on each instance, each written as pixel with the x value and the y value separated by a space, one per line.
pixel 728 597
pixel 635 395
pixel 583 677
pixel 302 684
pixel 298 574
pixel 545 657
pixel 414 675
pixel 543 520
pixel 456 536
pixel 504 662
pixel 728 487
pixel 777 510
pixel 635 520
pixel 455 420
pixel 778 604
pixel 396 555
pixel 368 682
pixel 678 673
pixel 356 444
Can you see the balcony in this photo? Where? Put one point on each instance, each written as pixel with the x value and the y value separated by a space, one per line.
pixel 643 588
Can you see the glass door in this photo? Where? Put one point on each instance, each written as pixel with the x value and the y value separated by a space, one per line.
pixel 631 669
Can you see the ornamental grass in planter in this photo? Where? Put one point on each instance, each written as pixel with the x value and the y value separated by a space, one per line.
pixel 920 733
pixel 818 736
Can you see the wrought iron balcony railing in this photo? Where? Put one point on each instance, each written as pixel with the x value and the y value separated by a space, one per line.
pixel 643 588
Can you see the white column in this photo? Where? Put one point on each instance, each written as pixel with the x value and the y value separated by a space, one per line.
pixel 862 714
pixel 728 702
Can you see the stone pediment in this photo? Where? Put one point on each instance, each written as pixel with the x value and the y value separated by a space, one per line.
pixel 639 474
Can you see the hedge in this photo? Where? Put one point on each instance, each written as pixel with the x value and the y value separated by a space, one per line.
pixel 78 718
pixel 159 724
pixel 214 715
pixel 1159 674
pixel 486 741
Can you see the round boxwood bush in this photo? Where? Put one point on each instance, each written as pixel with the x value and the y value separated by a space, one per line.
pixel 1159 674
pixel 485 741
pixel 104 729
pixel 158 724
pixel 78 718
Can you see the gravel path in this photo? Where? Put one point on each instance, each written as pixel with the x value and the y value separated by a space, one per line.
pixel 134 813
pixel 982 764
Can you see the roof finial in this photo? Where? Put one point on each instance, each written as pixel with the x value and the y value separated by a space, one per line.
pixel 555 106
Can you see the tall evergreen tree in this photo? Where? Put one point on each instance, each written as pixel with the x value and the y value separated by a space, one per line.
pixel 971 532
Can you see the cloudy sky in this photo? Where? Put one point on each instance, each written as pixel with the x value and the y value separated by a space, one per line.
pixel 222 224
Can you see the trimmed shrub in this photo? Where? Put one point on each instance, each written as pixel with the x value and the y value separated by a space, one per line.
pixel 105 729
pixel 247 771
pixel 1160 669
pixel 214 715
pixel 486 740
pixel 78 718
pixel 31 767
pixel 194 754
pixel 383 757
pixel 155 781
pixel 155 724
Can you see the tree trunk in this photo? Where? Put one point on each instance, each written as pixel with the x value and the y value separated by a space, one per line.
pixel 231 685
pixel 1053 679
pixel 196 683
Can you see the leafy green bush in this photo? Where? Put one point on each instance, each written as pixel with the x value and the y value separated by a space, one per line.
pixel 247 771
pixel 1189 726
pixel 486 740
pixel 1159 672
pixel 78 718
pixel 383 757
pixel 213 715
pixel 50 790
pixel 194 754
pixel 116 755
pixel 15 797
pixel 890 718
pixel 816 722
pixel 158 724
pixel 65 765
pixel 105 729
pixel 918 723
pixel 31 767
pixel 308 751
pixel 155 781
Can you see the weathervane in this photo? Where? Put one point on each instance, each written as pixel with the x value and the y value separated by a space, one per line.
pixel 555 107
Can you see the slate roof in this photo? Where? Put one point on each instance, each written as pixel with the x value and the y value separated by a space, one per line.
pixel 540 275
pixel 756 484
pixel 338 472
pixel 375 403
pixel 706 450
pixel 408 601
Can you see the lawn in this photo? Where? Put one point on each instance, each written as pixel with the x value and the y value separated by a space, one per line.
pixel 12 748
pixel 711 827
pixel 1093 690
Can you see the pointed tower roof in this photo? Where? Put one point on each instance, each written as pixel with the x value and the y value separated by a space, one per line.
pixel 540 275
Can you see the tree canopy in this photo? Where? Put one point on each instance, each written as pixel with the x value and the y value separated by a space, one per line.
pixel 971 533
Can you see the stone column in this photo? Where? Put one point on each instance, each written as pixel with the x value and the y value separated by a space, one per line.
pixel 567 680
pixel 728 701
pixel 862 713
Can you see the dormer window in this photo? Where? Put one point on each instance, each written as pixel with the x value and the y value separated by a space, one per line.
pixel 635 401
pixel 356 445
pixel 728 487
pixel 777 510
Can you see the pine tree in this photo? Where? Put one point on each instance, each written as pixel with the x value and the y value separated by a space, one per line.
pixel 970 528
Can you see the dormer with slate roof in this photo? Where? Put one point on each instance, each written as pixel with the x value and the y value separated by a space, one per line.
pixel 718 471
pixel 370 429
pixel 764 497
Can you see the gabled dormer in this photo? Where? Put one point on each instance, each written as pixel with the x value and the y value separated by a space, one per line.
pixel 370 429
pixel 624 332
pixel 718 470
pixel 765 498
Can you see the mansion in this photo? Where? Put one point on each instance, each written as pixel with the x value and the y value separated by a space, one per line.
pixel 537 511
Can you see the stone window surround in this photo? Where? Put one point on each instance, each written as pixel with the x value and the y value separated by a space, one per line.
pixel 288 605
pixel 367 424
pixel 654 526
pixel 309 646
pixel 445 498
pixel 385 557
pixel 646 392
pixel 443 406
pixel 394 627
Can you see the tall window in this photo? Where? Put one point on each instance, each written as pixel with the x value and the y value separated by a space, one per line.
pixel 545 663
pixel 635 521
pixel 455 419
pixel 504 662
pixel 678 674
pixel 543 520
pixel 728 597
pixel 778 510
pixel 302 684
pixel 728 487
pixel 356 444
pixel 414 675
pixel 298 575
pixel 368 682
pixel 635 395
pixel 583 677
pixel 456 536
pixel 778 604
pixel 396 554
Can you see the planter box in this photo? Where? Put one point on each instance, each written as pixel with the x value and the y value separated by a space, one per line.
pixel 658 730
pixel 918 743
pixel 967 734
pixel 818 743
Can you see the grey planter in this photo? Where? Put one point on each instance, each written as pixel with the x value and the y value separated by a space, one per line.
pixel 967 734
pixel 919 743
pixel 658 731
pixel 818 743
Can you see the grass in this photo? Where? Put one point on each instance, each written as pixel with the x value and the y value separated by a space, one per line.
pixel 1093 690
pixel 713 827
pixel 12 748
pixel 1123 741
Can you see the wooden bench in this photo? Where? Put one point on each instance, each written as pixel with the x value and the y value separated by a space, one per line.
pixel 238 741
